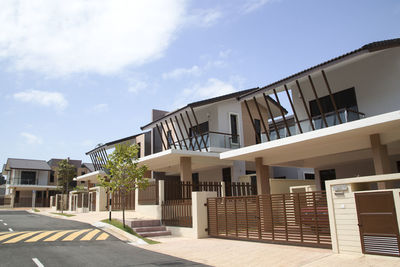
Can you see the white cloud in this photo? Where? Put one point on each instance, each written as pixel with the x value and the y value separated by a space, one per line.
pixel 43 98
pixel 100 36
pixel 137 86
pixel 179 72
pixel 212 88
pixel 31 139
pixel 252 5
pixel 204 17
pixel 100 108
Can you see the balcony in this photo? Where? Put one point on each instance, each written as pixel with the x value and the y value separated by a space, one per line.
pixel 346 115
pixel 211 140
pixel 23 181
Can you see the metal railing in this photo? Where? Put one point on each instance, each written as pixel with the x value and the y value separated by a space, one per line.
pixel 346 115
pixel 211 139
pixel 22 181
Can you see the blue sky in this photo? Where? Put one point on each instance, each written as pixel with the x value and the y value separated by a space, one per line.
pixel 77 73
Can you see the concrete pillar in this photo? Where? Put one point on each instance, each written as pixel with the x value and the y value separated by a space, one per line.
pixel 223 189
pixel 161 192
pixel 186 169
pixel 262 173
pixel 12 198
pixel 33 199
pixel 199 213
pixel 380 157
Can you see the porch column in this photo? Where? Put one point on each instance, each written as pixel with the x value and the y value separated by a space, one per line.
pixel 46 203
pixel 380 157
pixel 262 173
pixel 186 169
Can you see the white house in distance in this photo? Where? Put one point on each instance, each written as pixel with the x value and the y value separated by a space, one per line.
pixel 28 182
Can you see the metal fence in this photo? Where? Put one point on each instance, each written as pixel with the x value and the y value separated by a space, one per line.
pixel 117 200
pixel 298 218
pixel 174 190
pixel 238 189
pixel 177 213
pixel 149 196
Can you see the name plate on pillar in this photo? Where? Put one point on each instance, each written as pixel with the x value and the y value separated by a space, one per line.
pixel 339 189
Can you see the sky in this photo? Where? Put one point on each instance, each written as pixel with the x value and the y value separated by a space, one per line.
pixel 74 74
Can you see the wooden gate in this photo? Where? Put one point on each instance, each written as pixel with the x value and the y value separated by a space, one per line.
pixel 379 231
pixel 92 201
pixel 298 218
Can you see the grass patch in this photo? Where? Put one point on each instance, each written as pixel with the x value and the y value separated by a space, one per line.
pixel 36 210
pixel 129 230
pixel 63 214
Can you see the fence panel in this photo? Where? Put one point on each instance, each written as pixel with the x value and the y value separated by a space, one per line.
pixel 175 190
pixel 117 200
pixel 298 218
pixel 149 196
pixel 177 213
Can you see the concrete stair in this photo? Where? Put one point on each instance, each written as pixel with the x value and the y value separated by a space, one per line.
pixel 148 228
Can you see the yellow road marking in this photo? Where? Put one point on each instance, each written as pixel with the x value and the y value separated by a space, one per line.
pixel 90 235
pixel 39 236
pixel 75 235
pixel 103 236
pixel 9 235
pixel 58 235
pixel 21 237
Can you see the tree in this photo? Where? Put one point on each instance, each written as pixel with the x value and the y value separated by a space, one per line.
pixel 124 173
pixel 66 173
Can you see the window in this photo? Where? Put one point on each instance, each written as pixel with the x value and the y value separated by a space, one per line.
pixel 345 99
pixel 309 176
pixel 257 125
pixel 326 175
pixel 28 177
pixel 83 173
pixel 139 149
pixel 169 139
pixel 234 128
pixel 52 177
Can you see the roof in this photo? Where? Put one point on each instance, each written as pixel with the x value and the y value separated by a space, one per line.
pixel 31 164
pixel 206 102
pixel 89 166
pixel 111 143
pixel 371 47
pixel 54 162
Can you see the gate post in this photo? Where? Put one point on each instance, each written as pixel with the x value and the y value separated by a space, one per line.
pixel 199 213
pixel 223 189
pixel 161 192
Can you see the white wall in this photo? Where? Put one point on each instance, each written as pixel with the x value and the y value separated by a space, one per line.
pixel 375 79
pixel 42 177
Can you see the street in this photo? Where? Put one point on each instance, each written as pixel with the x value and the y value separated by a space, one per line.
pixel 28 239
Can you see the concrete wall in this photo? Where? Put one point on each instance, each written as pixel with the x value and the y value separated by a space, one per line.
pixel 343 213
pixel 42 177
pixel 290 173
pixel 282 186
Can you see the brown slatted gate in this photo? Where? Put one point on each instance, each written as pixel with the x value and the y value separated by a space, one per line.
pixel 298 218
pixel 379 231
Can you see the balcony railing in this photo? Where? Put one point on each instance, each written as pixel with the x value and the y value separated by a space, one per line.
pixel 22 181
pixel 211 139
pixel 345 114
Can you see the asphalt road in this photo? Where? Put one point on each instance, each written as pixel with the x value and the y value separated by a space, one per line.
pixel 68 243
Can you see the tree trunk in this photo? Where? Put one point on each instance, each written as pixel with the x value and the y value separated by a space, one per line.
pixel 123 208
pixel 110 205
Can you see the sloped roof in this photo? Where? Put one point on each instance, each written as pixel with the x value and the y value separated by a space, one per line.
pixel 89 166
pixel 371 47
pixel 31 164
pixel 54 162
pixel 209 101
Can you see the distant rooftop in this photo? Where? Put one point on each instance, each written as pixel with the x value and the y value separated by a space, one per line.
pixel 31 164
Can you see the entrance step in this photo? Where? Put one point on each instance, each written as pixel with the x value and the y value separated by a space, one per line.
pixel 156 233
pixel 148 228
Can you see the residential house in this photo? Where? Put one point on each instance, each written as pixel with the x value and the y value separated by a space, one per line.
pixel 28 182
